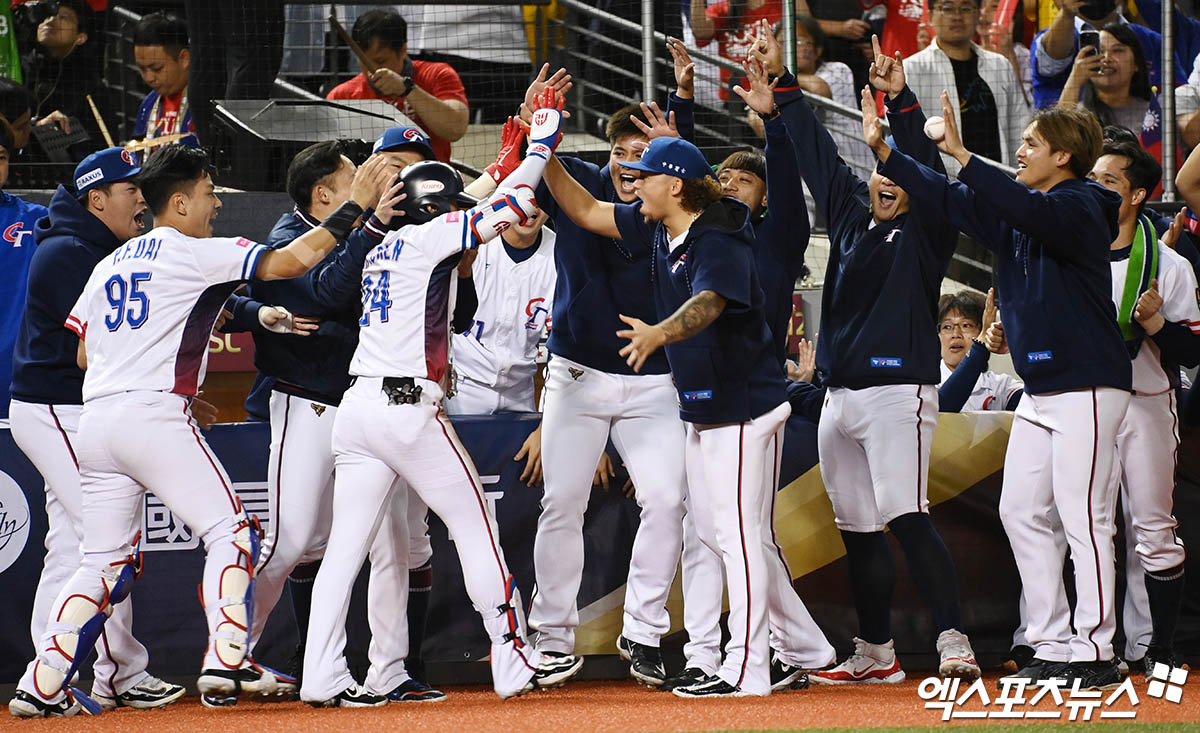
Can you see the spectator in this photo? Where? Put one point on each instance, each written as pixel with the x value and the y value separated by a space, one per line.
pixel 847 31
pixel 1186 38
pixel 733 25
pixel 1056 47
pixel 61 70
pixel 160 48
pixel 16 107
pixel 236 48
pixel 904 19
pixel 1115 86
pixel 429 93
pixel 983 87
pixel 997 36
pixel 966 384
pixel 18 218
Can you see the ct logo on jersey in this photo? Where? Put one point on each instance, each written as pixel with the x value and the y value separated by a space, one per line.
pixel 532 309
pixel 15 234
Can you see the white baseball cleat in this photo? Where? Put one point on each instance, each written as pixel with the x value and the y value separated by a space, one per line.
pixel 150 693
pixel 958 659
pixel 869 664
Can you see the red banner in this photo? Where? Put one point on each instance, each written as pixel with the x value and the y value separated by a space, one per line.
pixel 230 352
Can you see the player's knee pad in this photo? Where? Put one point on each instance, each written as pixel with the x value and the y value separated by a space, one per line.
pixel 505 623
pixel 230 620
pixel 80 622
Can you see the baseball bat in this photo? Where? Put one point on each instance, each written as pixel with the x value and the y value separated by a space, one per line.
pixel 100 122
pixel 367 66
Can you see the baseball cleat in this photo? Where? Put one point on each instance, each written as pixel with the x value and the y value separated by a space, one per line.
pixel 1093 675
pixel 786 677
pixel 553 671
pixel 1018 658
pixel 411 690
pixel 26 705
pixel 218 701
pixel 150 693
pixel 869 664
pixel 1158 654
pixel 686 677
pixel 353 696
pixel 645 662
pixel 712 687
pixel 1036 671
pixel 253 678
pixel 957 657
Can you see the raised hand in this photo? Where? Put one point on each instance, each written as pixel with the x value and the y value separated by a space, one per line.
pixel 989 311
pixel 952 144
pixel 994 339
pixel 761 97
pixel 886 73
pixel 1176 228
pixel 685 70
pixel 767 50
pixel 512 134
pixel 388 207
pixel 560 81
pixel 1146 311
pixel 546 129
pixel 873 126
pixel 805 366
pixel 369 181
pixel 660 125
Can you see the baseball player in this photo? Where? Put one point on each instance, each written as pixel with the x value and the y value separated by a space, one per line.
pixel 730 386
pixel 495 358
pixel 877 359
pixel 391 423
pixel 84 226
pixel 144 318
pixel 780 240
pixel 1050 230
pixel 966 384
pixel 310 374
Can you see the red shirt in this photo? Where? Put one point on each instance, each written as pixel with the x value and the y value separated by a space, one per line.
pixel 900 28
pixel 437 79
pixel 735 43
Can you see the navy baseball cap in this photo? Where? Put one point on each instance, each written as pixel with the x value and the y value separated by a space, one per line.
pixel 106 166
pixel 673 156
pixel 398 137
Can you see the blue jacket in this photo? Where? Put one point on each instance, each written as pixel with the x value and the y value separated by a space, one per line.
pixel 143 118
pixel 70 242
pixel 17 220
pixel 316 366
pixel 879 306
pixel 1052 271
pixel 1047 89
pixel 728 371
pixel 599 278
pixel 780 235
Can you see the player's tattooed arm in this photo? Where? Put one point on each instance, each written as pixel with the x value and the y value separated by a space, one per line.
pixel 692 317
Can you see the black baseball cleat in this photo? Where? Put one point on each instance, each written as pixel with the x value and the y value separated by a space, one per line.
pixel 1158 654
pixel 713 687
pixel 1037 670
pixel 1104 675
pixel 253 678
pixel 686 677
pixel 1018 658
pixel 411 690
pixel 645 662
pixel 295 666
pixel 554 670
pixel 786 677
pixel 148 694
pixel 25 705
pixel 353 696
pixel 218 701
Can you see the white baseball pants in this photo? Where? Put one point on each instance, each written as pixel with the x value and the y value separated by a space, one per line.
pixel 47 434
pixel 583 407
pixel 373 443
pixel 794 635
pixel 874 446
pixel 1060 458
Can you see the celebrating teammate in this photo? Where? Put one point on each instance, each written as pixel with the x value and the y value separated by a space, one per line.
pixel 879 362
pixel 391 424
pixel 1050 230
pixel 143 319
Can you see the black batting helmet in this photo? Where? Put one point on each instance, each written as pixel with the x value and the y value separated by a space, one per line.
pixel 430 187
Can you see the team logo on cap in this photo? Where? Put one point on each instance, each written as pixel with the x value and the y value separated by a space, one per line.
pixel 127 157
pixel 414 135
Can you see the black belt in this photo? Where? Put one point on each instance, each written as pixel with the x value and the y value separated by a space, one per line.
pixel 402 390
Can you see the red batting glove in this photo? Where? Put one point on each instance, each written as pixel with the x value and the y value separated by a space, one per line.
pixel 512 135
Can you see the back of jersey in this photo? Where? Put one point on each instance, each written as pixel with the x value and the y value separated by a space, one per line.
pixel 149 307
pixel 406 294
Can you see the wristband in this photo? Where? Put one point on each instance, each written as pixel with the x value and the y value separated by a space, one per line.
pixel 341 221
pixel 772 115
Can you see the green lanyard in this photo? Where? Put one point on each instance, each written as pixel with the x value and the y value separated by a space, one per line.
pixel 1139 271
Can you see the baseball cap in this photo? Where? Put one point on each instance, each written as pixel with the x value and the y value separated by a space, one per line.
pixel 397 137
pixel 106 166
pixel 673 156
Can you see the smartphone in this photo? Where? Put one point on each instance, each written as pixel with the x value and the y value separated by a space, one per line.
pixel 1090 38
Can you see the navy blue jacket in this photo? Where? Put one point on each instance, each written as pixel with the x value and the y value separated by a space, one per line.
pixel 780 235
pixel 879 306
pixel 316 366
pixel 728 372
pixel 599 278
pixel 70 242
pixel 17 220
pixel 1052 270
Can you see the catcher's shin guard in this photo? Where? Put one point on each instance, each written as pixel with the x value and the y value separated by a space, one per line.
pixel 80 621
pixel 230 616
pixel 513 659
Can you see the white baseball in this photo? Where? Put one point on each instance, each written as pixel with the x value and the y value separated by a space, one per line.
pixel 935 129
